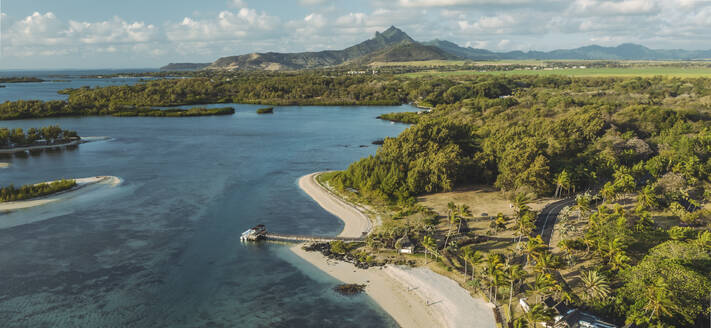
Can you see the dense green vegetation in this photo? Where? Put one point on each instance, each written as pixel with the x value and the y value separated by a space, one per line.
pixel 278 89
pixel 196 111
pixel 405 117
pixel 19 138
pixel 639 146
pixel 11 194
pixel 24 109
pixel 19 79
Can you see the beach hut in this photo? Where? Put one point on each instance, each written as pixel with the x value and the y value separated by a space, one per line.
pixel 405 245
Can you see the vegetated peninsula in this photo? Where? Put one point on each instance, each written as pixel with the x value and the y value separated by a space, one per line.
pixel 592 193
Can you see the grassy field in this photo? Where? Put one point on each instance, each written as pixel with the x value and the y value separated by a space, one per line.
pixel 588 72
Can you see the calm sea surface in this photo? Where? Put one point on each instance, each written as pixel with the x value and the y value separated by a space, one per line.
pixel 162 249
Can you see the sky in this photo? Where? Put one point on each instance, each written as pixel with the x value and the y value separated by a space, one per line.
pixel 83 34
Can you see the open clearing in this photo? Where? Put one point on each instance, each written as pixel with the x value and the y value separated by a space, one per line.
pixel 585 72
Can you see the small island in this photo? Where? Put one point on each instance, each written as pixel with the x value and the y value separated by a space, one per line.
pixel 16 198
pixel 12 194
pixel 197 111
pixel 20 80
pixel 266 110
pixel 18 140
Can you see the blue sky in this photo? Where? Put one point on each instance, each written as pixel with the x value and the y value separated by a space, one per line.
pixel 41 34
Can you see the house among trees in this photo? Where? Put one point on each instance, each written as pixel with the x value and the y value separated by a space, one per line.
pixel 579 319
pixel 567 317
pixel 405 245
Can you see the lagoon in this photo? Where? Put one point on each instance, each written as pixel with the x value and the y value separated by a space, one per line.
pixel 163 248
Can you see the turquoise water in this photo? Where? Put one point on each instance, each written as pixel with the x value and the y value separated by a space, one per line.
pixel 162 249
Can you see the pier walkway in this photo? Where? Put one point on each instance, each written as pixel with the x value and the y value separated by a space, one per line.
pixel 320 239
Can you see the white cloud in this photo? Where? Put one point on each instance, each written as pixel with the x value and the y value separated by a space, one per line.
pixel 227 25
pixel 450 3
pixel 237 3
pixel 312 2
pixel 315 20
pixel 625 7
pixel 351 19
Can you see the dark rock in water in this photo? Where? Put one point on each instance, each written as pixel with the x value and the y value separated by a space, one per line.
pixel 268 110
pixel 379 142
pixel 363 146
pixel 349 289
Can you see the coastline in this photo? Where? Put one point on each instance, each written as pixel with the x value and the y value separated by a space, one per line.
pixel 80 188
pixel 357 224
pixel 414 297
pixel 391 295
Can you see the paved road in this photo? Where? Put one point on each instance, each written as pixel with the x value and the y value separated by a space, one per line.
pixel 548 216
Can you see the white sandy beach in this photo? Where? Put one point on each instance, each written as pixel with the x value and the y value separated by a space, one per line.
pixel 81 187
pixel 414 297
pixel 357 224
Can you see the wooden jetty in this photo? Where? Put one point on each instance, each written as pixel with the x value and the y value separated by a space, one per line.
pixel 319 239
pixel 260 233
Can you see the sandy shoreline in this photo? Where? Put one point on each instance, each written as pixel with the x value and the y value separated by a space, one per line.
pixel 414 297
pixel 357 224
pixel 81 187
pixel 392 296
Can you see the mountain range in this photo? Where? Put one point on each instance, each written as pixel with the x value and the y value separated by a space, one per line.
pixel 394 45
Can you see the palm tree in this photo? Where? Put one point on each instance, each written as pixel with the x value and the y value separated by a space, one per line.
pixel 612 249
pixel 566 245
pixel 472 257
pixel 595 285
pixel 452 214
pixel 542 284
pixel 464 212
pixel 494 269
pixel 620 261
pixel 647 198
pixel 660 299
pixel 545 261
pixel 520 323
pixel 430 245
pixel 539 313
pixel 525 223
pixel 704 239
pixel 514 273
pixel 562 182
pixel 583 203
pixel 534 247
pixel 608 192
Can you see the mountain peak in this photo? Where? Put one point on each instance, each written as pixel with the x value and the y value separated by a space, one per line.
pixel 394 35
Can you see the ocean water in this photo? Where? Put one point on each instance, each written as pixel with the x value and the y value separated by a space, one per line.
pixel 162 249
pixel 59 80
